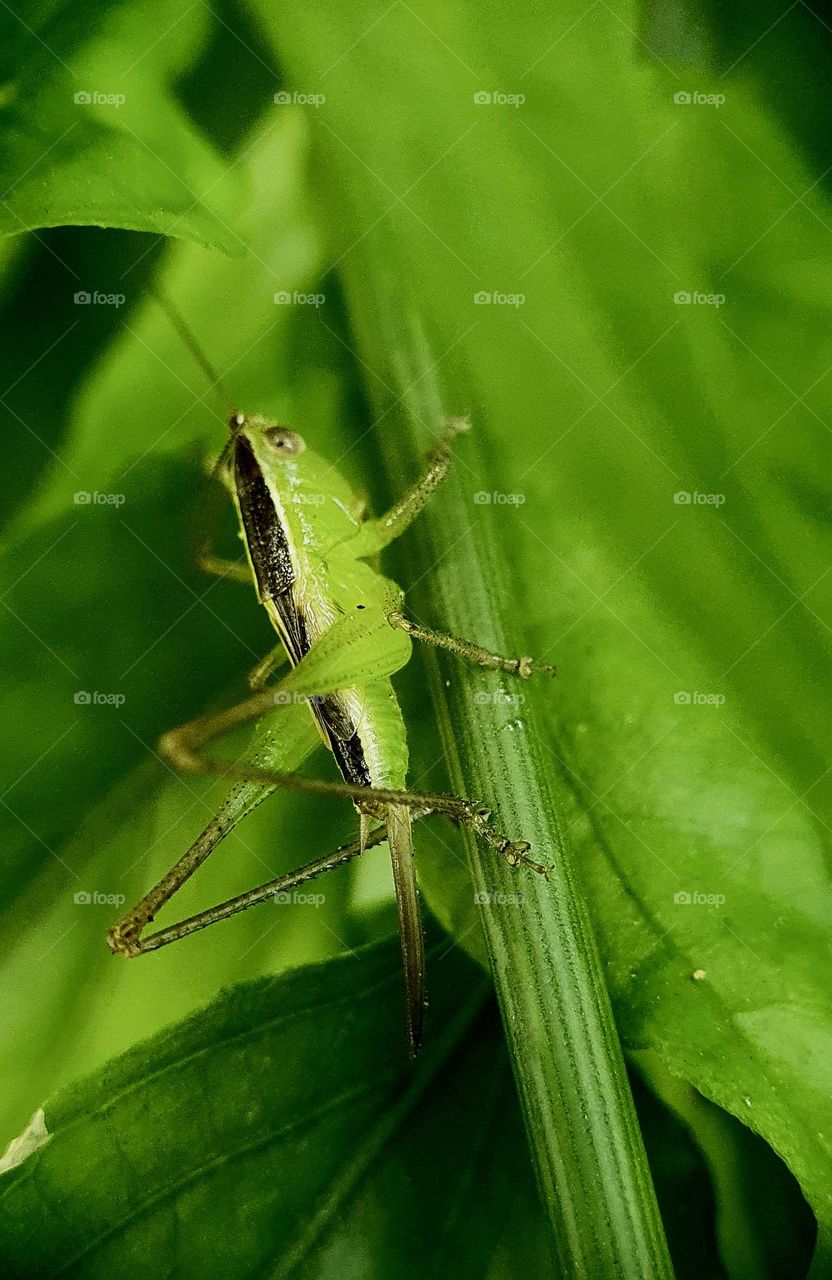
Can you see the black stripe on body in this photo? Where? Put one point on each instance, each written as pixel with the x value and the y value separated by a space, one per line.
pixel 350 758
pixel 268 547
pixel 266 538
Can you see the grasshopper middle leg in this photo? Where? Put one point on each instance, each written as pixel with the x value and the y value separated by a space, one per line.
pixel 466 649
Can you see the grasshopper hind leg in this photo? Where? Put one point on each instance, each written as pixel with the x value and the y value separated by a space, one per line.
pixel 125 937
pixel 183 747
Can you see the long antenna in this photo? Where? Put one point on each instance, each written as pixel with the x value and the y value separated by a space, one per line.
pixel 188 337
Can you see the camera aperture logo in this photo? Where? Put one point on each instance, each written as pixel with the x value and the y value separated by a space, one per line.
pixel 496 298
pixel 285 98
pixel 684 98
pixel 288 698
pixel 85 898
pixel 500 698
pixel 693 498
pixel 696 298
pixel 298 899
pixel 485 499
pixel 83 498
pixel 94 98
pixel 696 699
pixel 496 98
pixel 95 698
pixel 294 298
pixel 85 298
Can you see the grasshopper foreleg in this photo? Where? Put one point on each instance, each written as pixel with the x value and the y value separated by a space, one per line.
pixel 376 534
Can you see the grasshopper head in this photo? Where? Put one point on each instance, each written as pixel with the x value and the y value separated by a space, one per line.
pixel 280 443
pixel 304 490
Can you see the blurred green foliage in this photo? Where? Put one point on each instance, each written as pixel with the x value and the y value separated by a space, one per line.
pixel 598 399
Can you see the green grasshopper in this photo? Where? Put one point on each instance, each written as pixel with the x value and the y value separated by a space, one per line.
pixel 341 626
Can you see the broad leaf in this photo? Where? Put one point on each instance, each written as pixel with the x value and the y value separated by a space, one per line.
pixel 91 106
pixel 619 278
pixel 233 1145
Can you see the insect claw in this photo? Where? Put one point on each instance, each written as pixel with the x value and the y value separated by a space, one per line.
pixel 123 940
pixel 525 667
pixel 534 866
pixel 513 851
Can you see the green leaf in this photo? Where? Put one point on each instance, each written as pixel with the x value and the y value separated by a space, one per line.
pixel 105 597
pixel 230 1144
pixel 93 136
pixel 582 214
pixel 764 1227
pixel 596 399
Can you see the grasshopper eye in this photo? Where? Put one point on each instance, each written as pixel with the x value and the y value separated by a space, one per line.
pixel 284 441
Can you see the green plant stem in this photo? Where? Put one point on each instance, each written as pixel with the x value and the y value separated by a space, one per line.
pixel 586 1145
